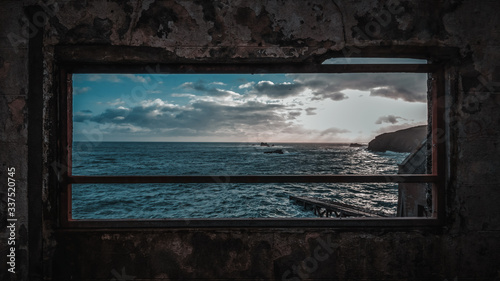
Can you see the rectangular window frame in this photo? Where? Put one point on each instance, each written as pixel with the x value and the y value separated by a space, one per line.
pixel 436 177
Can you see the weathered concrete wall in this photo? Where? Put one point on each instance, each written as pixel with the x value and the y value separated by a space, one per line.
pixel 13 140
pixel 467 247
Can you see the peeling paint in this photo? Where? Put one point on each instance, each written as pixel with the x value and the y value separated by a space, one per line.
pixel 4 68
pixel 16 108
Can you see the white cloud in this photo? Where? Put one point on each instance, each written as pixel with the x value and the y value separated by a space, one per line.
pixel 94 77
pixel 113 78
pixel 183 95
pixel 116 102
pixel 218 83
pixel 202 86
pixel 246 85
pixel 137 78
pixel 78 90
pixel 156 103
pixel 129 128
pixel 103 77
pixel 191 96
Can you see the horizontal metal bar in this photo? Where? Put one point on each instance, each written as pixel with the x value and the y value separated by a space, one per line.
pixel 256 179
pixel 250 68
pixel 362 223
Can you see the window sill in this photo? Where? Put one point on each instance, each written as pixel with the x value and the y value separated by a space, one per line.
pixel 390 222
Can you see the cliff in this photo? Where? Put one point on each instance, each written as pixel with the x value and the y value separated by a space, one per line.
pixel 399 141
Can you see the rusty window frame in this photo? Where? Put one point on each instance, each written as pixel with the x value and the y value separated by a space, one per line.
pixel 436 177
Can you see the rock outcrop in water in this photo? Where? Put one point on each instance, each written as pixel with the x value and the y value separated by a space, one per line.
pixel 277 151
pixel 399 141
pixel 355 144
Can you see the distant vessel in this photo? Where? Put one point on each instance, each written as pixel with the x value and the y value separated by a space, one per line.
pixel 264 144
pixel 355 145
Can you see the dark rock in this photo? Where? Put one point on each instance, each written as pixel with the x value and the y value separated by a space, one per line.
pixel 277 151
pixel 356 145
pixel 400 141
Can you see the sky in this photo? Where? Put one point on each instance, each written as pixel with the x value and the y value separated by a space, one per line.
pixel 353 107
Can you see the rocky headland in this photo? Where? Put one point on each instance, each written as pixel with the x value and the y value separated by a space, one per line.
pixel 405 140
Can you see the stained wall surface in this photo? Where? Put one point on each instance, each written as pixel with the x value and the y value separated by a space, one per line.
pixel 466 247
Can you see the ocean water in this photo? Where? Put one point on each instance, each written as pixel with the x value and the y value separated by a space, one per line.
pixel 224 200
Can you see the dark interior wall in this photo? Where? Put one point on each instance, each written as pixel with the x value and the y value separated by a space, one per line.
pixel 466 247
pixel 13 138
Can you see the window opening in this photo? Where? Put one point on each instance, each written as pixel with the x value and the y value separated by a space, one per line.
pixel 265 145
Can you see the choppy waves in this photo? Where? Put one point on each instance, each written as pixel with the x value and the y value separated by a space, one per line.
pixel 224 200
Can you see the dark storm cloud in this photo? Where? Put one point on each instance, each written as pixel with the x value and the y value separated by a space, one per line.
pixel 294 114
pixel 82 116
pixel 202 86
pixel 411 87
pixel 310 111
pixel 200 118
pixel 214 115
pixel 320 90
pixel 395 92
pixel 388 119
pixel 114 115
pixel 278 90
pixel 332 96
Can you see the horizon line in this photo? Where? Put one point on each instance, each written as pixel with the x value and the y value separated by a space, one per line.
pixel 227 142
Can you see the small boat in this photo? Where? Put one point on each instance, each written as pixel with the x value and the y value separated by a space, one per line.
pixel 264 144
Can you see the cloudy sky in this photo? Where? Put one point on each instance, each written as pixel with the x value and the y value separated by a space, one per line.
pixel 246 108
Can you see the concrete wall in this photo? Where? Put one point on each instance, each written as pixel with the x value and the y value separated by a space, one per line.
pixel 415 199
pixel 467 247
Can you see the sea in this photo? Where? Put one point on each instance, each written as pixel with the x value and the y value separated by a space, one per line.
pixel 225 200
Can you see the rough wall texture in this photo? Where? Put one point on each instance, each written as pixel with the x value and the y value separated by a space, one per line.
pixel 13 137
pixel 467 247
